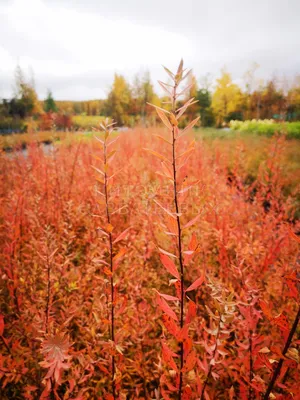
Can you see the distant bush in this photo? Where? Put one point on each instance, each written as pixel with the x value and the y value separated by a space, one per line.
pixel 9 125
pixel 86 122
pixel 55 121
pixel 267 127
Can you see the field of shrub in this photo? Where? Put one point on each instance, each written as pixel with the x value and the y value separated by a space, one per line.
pixel 268 127
pixel 148 265
pixel 53 260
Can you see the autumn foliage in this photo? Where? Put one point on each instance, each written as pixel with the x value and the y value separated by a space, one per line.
pixel 134 267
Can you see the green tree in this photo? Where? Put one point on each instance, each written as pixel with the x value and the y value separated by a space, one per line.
pixel 49 104
pixel 204 103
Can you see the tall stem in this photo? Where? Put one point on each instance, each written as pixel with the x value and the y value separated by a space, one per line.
pixel 47 310
pixel 250 364
pixel 179 241
pixel 112 307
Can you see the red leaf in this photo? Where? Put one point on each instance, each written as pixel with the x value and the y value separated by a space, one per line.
pixel 191 312
pixel 198 282
pixel 169 265
pixel 187 393
pixel 183 334
pixel 293 290
pixel 265 309
pixel 166 308
pixel 168 356
pixel 170 325
pixel 282 322
pixel 190 361
pixel 187 346
pixel 291 281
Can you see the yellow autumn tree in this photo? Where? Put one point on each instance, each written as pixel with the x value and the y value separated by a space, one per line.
pixel 227 99
pixel 26 94
pixel 119 100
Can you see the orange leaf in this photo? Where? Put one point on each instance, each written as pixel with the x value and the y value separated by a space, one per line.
pixel 164 118
pixel 190 361
pixel 168 356
pixel 190 126
pixel 120 254
pixel 156 154
pixel 164 139
pixel 193 242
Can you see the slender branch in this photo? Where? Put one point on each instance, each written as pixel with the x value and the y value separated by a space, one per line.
pixel 47 310
pixel 250 364
pixel 179 241
pixel 171 121
pixel 280 363
pixel 73 171
pixel 112 307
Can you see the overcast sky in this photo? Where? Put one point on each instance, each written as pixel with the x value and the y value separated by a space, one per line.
pixel 75 46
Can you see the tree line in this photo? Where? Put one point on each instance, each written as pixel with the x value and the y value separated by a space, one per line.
pixel 127 103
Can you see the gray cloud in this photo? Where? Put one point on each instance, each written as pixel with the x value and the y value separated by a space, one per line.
pixel 63 40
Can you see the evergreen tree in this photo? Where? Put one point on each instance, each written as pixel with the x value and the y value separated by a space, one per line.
pixel 49 104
